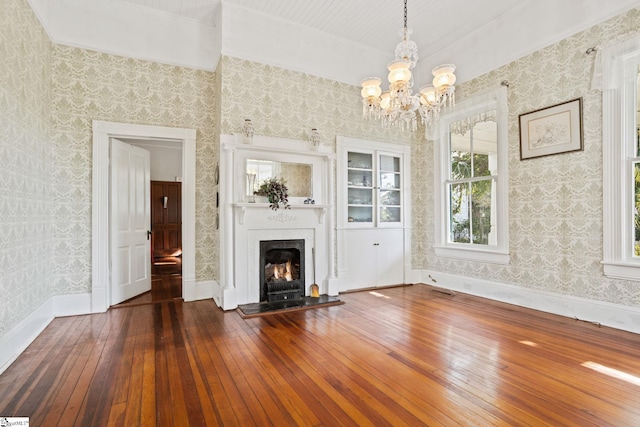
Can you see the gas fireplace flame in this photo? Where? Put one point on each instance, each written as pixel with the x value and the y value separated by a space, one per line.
pixel 281 272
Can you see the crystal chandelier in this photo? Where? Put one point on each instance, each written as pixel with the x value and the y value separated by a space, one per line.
pixel 398 106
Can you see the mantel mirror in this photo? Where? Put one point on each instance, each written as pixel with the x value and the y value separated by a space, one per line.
pixel 297 176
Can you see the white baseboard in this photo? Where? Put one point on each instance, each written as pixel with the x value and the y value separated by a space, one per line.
pixel 71 305
pixel 413 276
pixel 205 289
pixel 189 292
pixel 229 299
pixel 18 338
pixel 607 314
pixel 215 292
pixel 333 286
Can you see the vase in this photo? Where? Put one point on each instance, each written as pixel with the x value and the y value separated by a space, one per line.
pixel 251 180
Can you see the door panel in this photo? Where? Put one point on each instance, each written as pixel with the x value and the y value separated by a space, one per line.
pixel 130 214
pixel 360 260
pixel 373 258
pixel 166 208
pixel 390 257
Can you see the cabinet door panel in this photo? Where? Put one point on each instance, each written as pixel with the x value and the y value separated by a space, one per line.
pixel 359 260
pixel 389 257
pixel 374 258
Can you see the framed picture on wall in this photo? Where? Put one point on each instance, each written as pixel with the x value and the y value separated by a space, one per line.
pixel 551 130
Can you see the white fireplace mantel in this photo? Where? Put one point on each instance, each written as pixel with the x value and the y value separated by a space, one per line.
pixel 243 225
pixel 242 208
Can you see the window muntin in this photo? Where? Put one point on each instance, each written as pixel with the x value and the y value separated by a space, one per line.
pixel 471 185
pixel 472 153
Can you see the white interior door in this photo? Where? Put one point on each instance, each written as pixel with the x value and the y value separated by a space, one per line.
pixel 130 221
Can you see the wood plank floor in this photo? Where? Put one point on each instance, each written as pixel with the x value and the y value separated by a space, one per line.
pixel 164 287
pixel 398 356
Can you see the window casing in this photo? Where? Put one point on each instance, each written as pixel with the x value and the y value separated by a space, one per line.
pixel 471 180
pixel 621 160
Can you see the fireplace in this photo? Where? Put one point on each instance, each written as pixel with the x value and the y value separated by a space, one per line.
pixel 281 270
pixel 244 225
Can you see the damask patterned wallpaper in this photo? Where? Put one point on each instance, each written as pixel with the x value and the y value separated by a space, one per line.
pixel 287 104
pixel 89 85
pixel 555 203
pixel 26 187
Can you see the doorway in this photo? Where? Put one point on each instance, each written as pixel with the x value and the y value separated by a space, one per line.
pixel 103 133
pixel 166 227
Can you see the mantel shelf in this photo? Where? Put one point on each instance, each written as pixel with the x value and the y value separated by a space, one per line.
pixel 243 206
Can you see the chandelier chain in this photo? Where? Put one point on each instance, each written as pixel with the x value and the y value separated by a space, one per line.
pixel 405 14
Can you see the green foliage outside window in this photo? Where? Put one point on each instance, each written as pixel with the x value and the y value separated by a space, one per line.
pixel 475 196
pixel 636 211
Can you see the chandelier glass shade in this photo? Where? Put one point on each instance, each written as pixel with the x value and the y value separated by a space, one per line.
pixel 398 106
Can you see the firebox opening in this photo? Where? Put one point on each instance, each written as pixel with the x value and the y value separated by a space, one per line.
pixel 281 270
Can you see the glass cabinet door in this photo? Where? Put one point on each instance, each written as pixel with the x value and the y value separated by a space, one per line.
pixel 360 195
pixel 374 188
pixel 389 185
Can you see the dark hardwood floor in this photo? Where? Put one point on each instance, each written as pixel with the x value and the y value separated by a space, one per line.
pixel 398 356
pixel 164 287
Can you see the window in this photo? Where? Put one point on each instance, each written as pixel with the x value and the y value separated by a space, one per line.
pixel 621 159
pixel 471 181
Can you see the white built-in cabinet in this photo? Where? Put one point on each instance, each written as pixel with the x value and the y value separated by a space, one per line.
pixel 372 213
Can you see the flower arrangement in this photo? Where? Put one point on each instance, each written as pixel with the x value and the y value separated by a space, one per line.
pixel 276 192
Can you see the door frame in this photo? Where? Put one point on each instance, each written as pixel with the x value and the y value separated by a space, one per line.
pixel 100 261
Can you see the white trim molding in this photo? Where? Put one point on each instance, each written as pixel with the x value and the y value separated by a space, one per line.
pixel 141 32
pixel 396 235
pixel 607 314
pixel 619 64
pixel 100 263
pixel 243 225
pixel 494 99
pixel 20 336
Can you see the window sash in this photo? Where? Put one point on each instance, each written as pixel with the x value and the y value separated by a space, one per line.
pixel 491 104
pixel 620 154
pixel 468 212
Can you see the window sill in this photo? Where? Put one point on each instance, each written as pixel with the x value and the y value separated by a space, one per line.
pixel 468 254
pixel 622 270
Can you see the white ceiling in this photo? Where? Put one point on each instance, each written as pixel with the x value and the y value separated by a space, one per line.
pixel 369 22
pixel 344 40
